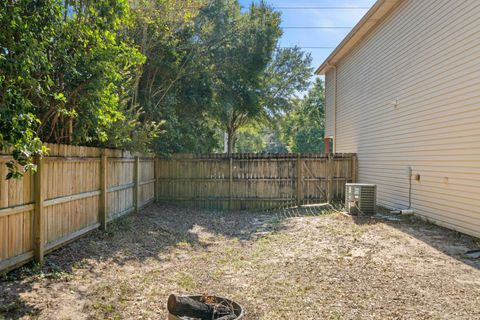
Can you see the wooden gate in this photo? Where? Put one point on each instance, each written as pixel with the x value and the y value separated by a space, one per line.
pixel 254 181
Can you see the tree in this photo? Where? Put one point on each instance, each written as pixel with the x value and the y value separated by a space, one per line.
pixel 304 127
pixel 240 62
pixel 66 73
pixel 211 66
pixel 27 30
pixel 176 84
pixel 250 139
pixel 94 69
pixel 287 75
pixel 116 73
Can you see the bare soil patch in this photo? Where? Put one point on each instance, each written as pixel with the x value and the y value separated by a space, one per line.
pixel 288 264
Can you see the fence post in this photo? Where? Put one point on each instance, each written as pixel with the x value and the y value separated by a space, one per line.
pixel 103 191
pixel 39 218
pixel 299 180
pixel 136 190
pixel 230 184
pixel 354 169
pixel 155 175
pixel 329 179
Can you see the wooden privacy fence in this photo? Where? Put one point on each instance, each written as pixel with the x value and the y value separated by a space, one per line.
pixel 75 190
pixel 254 181
pixel 78 189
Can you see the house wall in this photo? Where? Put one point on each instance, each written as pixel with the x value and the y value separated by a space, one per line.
pixel 426 57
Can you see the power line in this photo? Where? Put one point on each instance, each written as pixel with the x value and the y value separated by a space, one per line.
pixel 322 8
pixel 315 27
pixel 326 48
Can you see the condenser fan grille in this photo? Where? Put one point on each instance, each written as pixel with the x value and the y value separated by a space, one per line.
pixel 360 198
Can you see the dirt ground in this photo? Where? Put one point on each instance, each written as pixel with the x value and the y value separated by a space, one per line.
pixel 288 264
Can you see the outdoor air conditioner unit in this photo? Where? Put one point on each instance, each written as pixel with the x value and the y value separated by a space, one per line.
pixel 360 198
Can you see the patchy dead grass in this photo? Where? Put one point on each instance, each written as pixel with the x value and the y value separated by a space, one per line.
pixel 288 264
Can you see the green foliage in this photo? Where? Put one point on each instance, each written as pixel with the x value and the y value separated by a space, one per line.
pixel 95 66
pixel 117 73
pixel 27 32
pixel 287 75
pixel 249 42
pixel 274 144
pixel 175 85
pixel 259 139
pixel 303 127
pixel 66 76
pixel 250 139
pixel 211 66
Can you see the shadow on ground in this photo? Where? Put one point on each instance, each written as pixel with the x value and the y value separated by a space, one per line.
pixel 449 242
pixel 149 235
pixel 159 228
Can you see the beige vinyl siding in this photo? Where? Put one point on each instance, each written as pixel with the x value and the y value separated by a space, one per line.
pixel 425 56
pixel 329 99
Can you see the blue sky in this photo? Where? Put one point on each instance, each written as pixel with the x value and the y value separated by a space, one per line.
pixel 316 18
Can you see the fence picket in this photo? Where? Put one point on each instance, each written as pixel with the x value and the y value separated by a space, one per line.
pixel 67 197
pixel 254 181
pixel 78 189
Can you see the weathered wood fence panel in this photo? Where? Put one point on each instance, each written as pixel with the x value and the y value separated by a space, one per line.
pixel 147 181
pixel 16 215
pixel 78 189
pixel 254 181
pixel 66 198
pixel 120 186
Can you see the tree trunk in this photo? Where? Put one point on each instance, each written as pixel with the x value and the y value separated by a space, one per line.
pixel 70 129
pixel 231 140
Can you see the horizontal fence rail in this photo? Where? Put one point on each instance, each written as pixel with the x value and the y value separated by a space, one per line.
pixel 254 181
pixel 75 190
pixel 78 189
